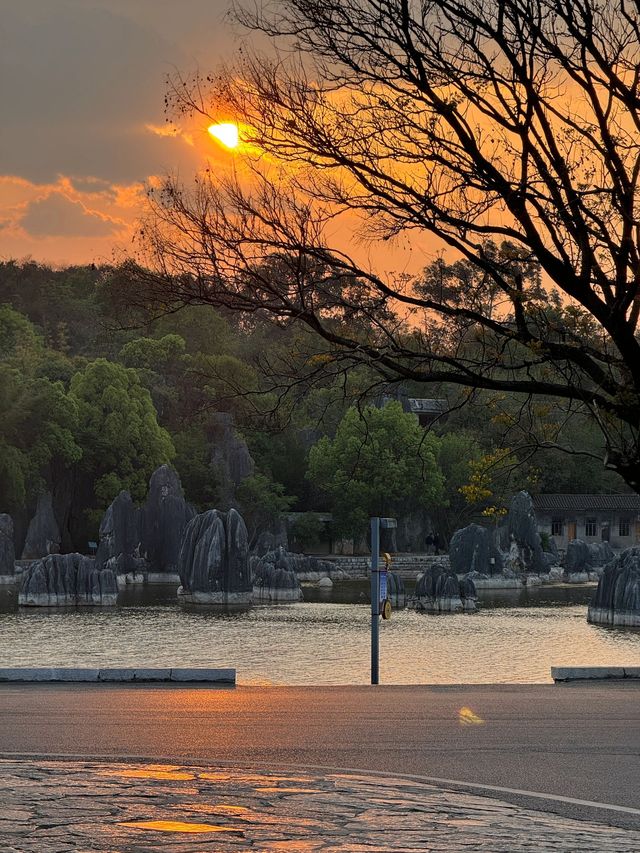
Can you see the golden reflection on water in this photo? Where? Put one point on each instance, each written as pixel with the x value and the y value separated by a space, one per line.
pixel 467 717
pixel 179 826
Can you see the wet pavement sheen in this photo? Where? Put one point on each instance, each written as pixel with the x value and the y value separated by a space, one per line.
pixel 89 806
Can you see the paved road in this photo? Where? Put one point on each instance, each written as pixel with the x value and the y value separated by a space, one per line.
pixel 573 741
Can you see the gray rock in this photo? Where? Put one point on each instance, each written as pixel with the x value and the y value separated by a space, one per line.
pixel 67 579
pixel 163 520
pixel 230 458
pixel 552 551
pixel 395 590
pixel 214 560
pixel 617 598
pixel 7 553
pixel 472 550
pixel 577 577
pixel 577 557
pixel 583 558
pixel 275 581
pixel 600 553
pixel 119 543
pixel 305 568
pixel 271 540
pixel 440 591
pixel 519 537
pixel 43 535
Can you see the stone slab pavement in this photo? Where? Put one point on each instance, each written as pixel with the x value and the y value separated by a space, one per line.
pixel 59 806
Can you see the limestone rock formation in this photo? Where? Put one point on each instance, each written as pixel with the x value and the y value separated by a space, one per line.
pixel 271 540
pixel 163 520
pixel 617 598
pixel 214 560
pixel 43 535
pixel 395 590
pixel 472 550
pixel 230 458
pixel 306 568
pixel 583 562
pixel 274 579
pixel 118 547
pixel 576 558
pixel 440 591
pixel 303 567
pixel 520 539
pixel 67 579
pixel 7 553
pixel 600 553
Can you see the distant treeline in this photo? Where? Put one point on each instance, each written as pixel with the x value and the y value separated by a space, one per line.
pixel 94 398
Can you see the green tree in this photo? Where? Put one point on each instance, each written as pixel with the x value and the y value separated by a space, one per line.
pixel 20 344
pixel 262 502
pixel 38 427
pixel 380 462
pixel 118 430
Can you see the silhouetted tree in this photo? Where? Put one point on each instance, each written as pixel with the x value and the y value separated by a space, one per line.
pixel 508 130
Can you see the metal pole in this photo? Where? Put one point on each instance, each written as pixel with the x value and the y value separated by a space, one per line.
pixel 375 598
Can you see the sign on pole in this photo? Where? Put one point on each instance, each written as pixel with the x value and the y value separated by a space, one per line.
pixel 380 604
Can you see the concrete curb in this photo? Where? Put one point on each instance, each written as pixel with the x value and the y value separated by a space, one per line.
pixel 591 673
pixel 123 675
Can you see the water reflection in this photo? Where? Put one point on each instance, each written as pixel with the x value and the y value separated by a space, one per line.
pixel 516 636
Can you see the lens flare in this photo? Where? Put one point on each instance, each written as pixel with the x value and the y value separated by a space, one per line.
pixel 226 133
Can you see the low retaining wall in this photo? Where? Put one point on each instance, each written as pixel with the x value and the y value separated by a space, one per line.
pixel 591 673
pixel 124 674
pixel 405 565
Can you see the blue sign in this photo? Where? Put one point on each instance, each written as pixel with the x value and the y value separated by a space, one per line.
pixel 383 584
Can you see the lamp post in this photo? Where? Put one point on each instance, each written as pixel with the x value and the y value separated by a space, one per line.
pixel 376 524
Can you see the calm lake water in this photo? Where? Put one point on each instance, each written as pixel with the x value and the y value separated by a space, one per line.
pixel 514 637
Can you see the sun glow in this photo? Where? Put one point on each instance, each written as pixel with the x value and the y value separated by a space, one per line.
pixel 226 133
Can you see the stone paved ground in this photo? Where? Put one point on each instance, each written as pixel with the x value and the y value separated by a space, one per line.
pixel 87 806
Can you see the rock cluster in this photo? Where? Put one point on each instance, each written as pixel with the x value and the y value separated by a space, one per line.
pixel 214 560
pixel 7 553
pixel 472 549
pixel 274 578
pixel 43 534
pixel 163 519
pixel 315 568
pixel 144 544
pixel 519 537
pixel 438 590
pixel 118 548
pixel 67 579
pixel 583 562
pixel 617 598
pixel 503 556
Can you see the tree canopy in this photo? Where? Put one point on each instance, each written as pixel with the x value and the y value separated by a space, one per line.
pixel 121 440
pixel 380 463
pixel 509 131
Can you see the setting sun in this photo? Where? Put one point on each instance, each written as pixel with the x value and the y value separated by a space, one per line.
pixel 226 133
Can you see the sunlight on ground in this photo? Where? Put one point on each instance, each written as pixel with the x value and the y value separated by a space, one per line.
pixel 177 826
pixel 467 717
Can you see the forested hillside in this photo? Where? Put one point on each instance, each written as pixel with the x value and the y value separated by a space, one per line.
pixel 95 396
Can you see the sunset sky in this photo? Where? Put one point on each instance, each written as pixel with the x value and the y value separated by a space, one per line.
pixel 82 116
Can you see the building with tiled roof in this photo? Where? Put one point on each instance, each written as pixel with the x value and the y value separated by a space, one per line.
pixel 593 518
